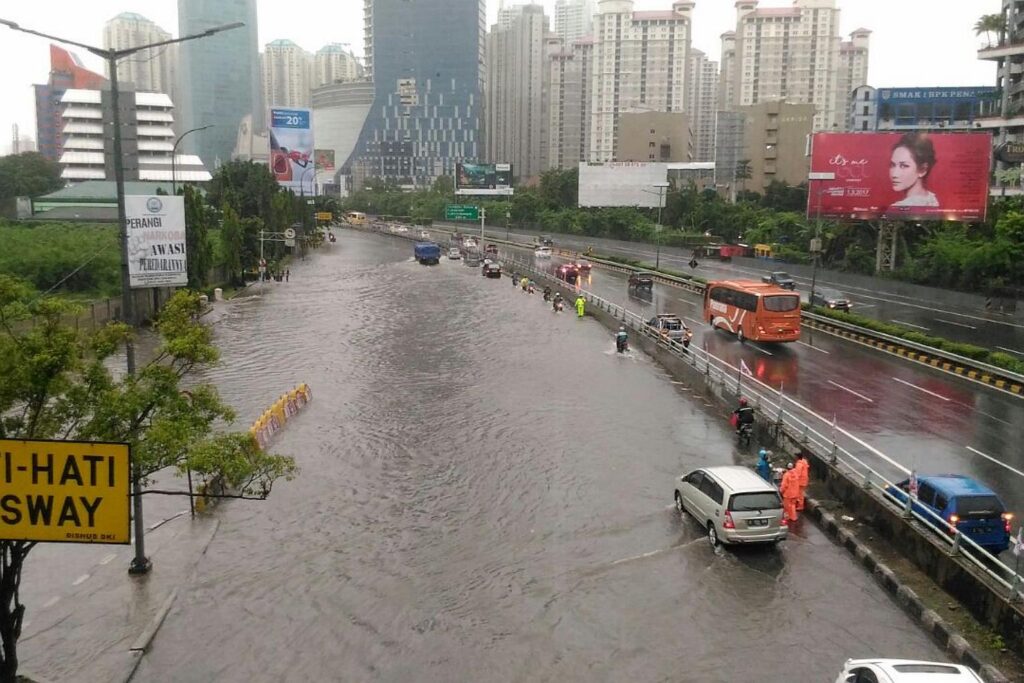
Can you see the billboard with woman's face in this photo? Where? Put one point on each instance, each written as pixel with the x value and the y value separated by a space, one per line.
pixel 900 176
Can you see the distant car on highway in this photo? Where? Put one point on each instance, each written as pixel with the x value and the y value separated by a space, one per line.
pixel 965 503
pixel 472 259
pixel 641 281
pixel 568 273
pixel 830 298
pixel 469 243
pixel 583 265
pixel 491 249
pixel 733 504
pixel 543 241
pixel 669 325
pixel 491 269
pixel 904 671
pixel 454 253
pixel 779 278
pixel 542 252
pixel 424 235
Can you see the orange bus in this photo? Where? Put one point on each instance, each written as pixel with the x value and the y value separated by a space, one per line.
pixel 753 310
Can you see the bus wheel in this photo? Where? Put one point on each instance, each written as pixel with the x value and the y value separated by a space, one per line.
pixel 739 335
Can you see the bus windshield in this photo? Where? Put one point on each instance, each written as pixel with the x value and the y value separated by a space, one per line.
pixel 781 303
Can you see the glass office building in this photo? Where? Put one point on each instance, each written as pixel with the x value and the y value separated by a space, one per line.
pixel 426 59
pixel 220 80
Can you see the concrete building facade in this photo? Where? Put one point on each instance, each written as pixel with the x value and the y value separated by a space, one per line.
pixel 147 123
pixel 150 70
pixel 657 136
pixel 287 69
pixel 640 64
pixel 792 54
pixel 1007 125
pixel 219 77
pixel 941 108
pixel 702 104
pixel 727 74
pixel 775 138
pixel 334 64
pixel 339 112
pixel 568 110
pixel 428 92
pixel 574 20
pixel 853 67
pixel 66 72
pixel 516 81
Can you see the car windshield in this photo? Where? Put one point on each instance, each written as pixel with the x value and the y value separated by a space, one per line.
pixel 672 323
pixel 978 507
pixel 750 502
pixel 782 276
pixel 781 303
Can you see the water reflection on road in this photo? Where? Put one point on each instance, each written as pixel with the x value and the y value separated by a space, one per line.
pixel 485 496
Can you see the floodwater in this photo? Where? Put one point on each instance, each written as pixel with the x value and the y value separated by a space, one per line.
pixel 486 495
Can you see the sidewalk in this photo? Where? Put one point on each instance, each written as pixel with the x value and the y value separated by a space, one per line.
pixel 86 632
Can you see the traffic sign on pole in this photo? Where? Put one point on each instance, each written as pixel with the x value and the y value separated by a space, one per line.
pixel 461 212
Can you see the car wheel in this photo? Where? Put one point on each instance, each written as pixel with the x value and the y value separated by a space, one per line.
pixel 679 504
pixel 740 336
pixel 712 535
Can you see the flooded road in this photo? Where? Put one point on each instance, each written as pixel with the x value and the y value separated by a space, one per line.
pixel 486 495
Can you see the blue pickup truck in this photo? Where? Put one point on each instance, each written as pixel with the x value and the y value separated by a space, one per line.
pixel 427 253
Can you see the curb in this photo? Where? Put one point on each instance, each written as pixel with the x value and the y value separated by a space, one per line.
pixel 955 645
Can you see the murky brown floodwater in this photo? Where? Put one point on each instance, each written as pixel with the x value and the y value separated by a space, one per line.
pixel 486 495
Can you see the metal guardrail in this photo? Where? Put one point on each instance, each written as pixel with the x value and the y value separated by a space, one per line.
pixel 842 449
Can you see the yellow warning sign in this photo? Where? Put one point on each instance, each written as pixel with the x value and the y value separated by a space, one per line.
pixel 67 491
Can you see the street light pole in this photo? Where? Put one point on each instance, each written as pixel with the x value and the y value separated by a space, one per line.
pixel 174 158
pixel 662 187
pixel 816 242
pixel 140 563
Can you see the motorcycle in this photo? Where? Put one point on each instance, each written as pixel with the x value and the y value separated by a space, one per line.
pixel 687 336
pixel 744 433
pixel 558 305
pixel 547 294
pixel 622 345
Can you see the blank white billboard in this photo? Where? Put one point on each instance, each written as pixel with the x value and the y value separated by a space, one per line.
pixel 621 183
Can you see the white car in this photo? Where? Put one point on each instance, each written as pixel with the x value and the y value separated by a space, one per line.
pixel 542 252
pixel 454 253
pixel 469 244
pixel 904 671
pixel 424 234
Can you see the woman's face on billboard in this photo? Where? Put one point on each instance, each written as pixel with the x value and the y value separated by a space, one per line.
pixel 904 172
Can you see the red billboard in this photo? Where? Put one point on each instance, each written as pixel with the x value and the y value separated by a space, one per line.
pixel 900 176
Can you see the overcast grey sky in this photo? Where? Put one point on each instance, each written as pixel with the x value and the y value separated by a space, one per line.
pixel 915 42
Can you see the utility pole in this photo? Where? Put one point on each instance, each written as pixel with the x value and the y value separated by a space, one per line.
pixel 174 158
pixel 140 563
pixel 816 242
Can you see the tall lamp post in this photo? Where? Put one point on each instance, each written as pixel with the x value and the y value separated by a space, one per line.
pixel 816 242
pixel 662 189
pixel 140 563
pixel 174 158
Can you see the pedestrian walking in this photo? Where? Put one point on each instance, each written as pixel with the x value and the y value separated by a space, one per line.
pixel 790 491
pixel 580 305
pixel 287 274
pixel 803 472
pixel 764 466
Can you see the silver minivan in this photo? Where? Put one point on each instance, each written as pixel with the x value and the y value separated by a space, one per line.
pixel 733 504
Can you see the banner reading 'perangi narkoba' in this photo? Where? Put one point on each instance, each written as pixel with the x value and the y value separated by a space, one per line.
pixel 156 241
pixel 291 148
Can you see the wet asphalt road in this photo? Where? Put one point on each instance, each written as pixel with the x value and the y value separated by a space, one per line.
pixel 934 316
pixel 486 496
pixel 923 418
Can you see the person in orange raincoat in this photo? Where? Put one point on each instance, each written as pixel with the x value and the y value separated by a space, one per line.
pixel 803 476
pixel 790 490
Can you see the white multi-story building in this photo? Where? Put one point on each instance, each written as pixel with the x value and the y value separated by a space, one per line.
pixel 568 110
pixel 515 91
pixel 286 74
pixel 702 104
pixel 150 70
pixel 147 145
pixel 574 20
pixel 727 75
pixel 334 64
pixel 640 64
pixel 792 54
pixel 853 67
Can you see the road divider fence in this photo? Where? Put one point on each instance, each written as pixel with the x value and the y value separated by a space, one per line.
pixel 274 418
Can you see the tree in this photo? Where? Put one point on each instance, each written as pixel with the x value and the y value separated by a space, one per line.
pixel 198 249
pixel 245 186
pixel 989 24
pixel 559 189
pixel 743 172
pixel 232 244
pixel 27 175
pixel 54 384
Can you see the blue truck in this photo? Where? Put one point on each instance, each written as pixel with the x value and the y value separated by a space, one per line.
pixel 428 253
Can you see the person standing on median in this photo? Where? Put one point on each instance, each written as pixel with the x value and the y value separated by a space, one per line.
pixel 790 490
pixel 580 305
pixel 803 477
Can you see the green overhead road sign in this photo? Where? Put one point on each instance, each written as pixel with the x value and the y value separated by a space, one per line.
pixel 461 212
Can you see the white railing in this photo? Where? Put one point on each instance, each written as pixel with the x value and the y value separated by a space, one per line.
pixel 844 450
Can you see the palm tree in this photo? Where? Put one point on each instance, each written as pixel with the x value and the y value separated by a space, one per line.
pixel 743 172
pixel 989 24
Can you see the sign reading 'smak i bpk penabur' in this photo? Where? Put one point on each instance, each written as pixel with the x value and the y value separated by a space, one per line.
pixel 65 491
pixel 156 241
